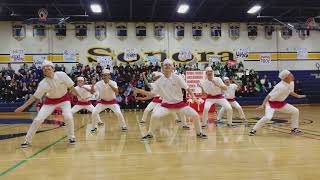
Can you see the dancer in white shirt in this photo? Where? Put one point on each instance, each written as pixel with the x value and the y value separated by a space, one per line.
pixel 107 90
pixel 213 86
pixel 85 93
pixel 275 101
pixel 169 87
pixel 156 101
pixel 55 86
pixel 230 95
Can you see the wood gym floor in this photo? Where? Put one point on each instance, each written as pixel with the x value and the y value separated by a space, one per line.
pixel 175 153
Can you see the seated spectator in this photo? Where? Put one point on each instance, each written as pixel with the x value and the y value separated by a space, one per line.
pixel 298 88
pixel 140 82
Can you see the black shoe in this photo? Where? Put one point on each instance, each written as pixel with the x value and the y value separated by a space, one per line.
pixel 252 132
pixel 142 122
pixel 148 136
pixel 72 141
pixel 25 144
pixel 100 123
pixel 231 126
pixel 178 121
pixel 202 136
pixel 124 129
pixel 186 127
pixel 296 132
pixel 94 130
pixel 204 126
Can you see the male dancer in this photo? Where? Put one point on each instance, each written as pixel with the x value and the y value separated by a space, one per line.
pixel 156 101
pixel 169 88
pixel 275 101
pixel 107 90
pixel 229 94
pixel 213 86
pixel 55 85
pixel 85 93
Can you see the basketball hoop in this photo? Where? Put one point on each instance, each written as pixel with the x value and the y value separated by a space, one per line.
pixel 43 13
pixel 311 23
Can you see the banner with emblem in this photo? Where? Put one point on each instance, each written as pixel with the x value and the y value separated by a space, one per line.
pixel 70 55
pixel 185 54
pixel 265 58
pixel 153 59
pixel 105 61
pixel 214 58
pixel 17 55
pixel 242 54
pixel 38 59
pixel 302 53
pixel 130 54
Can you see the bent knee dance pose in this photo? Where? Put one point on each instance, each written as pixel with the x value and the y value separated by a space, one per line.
pixel 275 101
pixel 55 85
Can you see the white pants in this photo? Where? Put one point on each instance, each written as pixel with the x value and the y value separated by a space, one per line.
pixel 46 111
pixel 235 105
pixel 269 111
pixel 161 112
pixel 113 107
pixel 222 102
pixel 152 107
pixel 90 108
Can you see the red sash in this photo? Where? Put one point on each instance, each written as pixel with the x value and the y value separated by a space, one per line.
pixel 231 100
pixel 80 103
pixel 219 96
pixel 156 99
pixel 51 101
pixel 277 104
pixel 174 106
pixel 113 101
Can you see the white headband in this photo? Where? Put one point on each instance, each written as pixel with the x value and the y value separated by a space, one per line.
pixel 283 74
pixel 47 63
pixel 106 71
pixel 168 61
pixel 209 68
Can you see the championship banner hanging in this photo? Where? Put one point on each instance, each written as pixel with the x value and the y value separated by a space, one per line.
pixel 38 59
pixel 302 53
pixel 242 54
pixel 70 55
pixel 130 54
pixel 185 54
pixel 17 55
pixel 105 61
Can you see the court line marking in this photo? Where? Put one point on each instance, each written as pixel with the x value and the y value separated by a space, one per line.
pixel 146 144
pixel 21 162
pixel 278 130
pixel 168 152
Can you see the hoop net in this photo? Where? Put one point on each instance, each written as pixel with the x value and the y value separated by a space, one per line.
pixel 43 13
